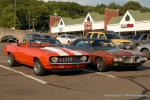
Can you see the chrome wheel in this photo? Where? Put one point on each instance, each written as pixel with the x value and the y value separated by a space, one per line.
pixel 38 68
pixel 146 53
pixel 100 64
pixel 11 60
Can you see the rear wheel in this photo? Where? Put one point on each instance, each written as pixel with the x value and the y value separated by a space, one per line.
pixel 38 68
pixel 146 53
pixel 11 60
pixel 100 64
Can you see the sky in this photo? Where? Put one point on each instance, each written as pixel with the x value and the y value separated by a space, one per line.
pixel 145 3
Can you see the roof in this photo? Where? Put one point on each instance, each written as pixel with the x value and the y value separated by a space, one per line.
pixel 115 20
pixel 140 16
pixel 136 14
pixel 70 21
pixel 96 16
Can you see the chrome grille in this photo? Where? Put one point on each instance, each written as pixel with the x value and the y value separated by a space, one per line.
pixel 132 59
pixel 70 60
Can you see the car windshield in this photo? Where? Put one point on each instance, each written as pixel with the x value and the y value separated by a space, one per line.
pixel 47 37
pixel 9 36
pixel 71 36
pixel 137 37
pixel 45 43
pixel 95 44
pixel 34 36
pixel 113 36
pixel 102 44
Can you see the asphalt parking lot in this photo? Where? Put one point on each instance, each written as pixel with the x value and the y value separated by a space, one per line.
pixel 20 83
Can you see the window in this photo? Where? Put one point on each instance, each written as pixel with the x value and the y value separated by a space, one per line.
pixel 127 18
pixel 102 36
pixel 88 19
pixel 137 37
pixel 149 37
pixel 63 36
pixel 82 44
pixel 61 23
pixel 144 37
pixel 95 36
pixel 88 35
pixel 71 36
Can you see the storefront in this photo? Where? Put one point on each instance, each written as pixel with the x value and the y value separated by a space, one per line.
pixel 92 22
pixel 133 22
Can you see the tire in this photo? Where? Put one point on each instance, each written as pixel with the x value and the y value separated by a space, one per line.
pixel 100 64
pixel 133 67
pixel 146 53
pixel 11 60
pixel 38 68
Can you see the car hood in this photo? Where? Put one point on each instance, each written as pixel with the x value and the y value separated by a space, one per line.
pixel 120 52
pixel 60 51
pixel 120 40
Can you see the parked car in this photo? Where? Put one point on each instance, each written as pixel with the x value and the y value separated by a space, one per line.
pixel 116 39
pixel 145 49
pixel 31 36
pixel 9 39
pixel 43 56
pixel 141 39
pixel 66 39
pixel 47 36
pixel 104 54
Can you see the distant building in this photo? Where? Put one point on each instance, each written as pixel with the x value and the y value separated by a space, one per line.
pixel 132 21
pixel 93 21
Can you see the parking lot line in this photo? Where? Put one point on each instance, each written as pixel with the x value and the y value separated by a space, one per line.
pixel 99 73
pixel 25 75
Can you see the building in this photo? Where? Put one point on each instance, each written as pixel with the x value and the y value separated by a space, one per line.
pixel 132 21
pixel 93 21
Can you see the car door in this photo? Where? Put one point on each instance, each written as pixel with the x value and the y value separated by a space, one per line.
pixel 23 54
pixel 19 53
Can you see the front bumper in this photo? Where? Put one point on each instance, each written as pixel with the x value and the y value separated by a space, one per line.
pixel 129 61
pixel 65 67
pixel 121 64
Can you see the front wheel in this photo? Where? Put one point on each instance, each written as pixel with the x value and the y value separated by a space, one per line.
pixel 38 68
pixel 11 60
pixel 101 66
pixel 146 53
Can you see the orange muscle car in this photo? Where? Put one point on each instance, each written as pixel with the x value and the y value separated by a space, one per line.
pixel 43 56
pixel 104 54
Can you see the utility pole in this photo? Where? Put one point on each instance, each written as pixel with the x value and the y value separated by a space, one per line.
pixel 14 14
pixel 33 24
pixel 29 19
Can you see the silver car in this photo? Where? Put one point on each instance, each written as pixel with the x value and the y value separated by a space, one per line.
pixel 145 49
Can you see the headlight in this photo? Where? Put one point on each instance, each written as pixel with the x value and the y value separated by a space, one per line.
pixel 83 58
pixel 54 59
pixel 118 59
